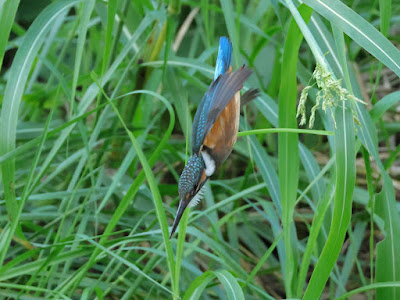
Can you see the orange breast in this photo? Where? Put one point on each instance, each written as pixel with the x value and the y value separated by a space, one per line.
pixel 222 136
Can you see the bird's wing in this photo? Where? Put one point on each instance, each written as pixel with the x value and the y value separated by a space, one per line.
pixel 224 57
pixel 220 92
pixel 249 96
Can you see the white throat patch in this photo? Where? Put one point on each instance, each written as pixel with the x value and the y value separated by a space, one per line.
pixel 210 163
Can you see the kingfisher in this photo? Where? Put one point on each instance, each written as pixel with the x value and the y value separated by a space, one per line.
pixel 215 128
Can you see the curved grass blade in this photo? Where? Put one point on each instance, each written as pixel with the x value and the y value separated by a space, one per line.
pixel 361 31
pixel 8 9
pixel 19 73
pixel 129 195
pixel 374 286
pixel 232 287
pixel 317 223
pixel 197 287
pixel 383 105
pixel 345 182
pixel 368 137
pixel 152 183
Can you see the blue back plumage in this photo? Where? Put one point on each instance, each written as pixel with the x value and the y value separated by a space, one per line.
pixel 224 56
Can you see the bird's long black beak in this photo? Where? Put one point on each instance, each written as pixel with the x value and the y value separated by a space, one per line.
pixel 181 208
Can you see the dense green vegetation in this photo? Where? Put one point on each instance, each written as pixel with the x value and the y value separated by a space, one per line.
pixel 97 101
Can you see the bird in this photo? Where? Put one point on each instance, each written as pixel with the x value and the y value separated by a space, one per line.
pixel 215 128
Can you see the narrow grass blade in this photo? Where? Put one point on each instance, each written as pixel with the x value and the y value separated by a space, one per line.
pixel 345 181
pixel 374 286
pixel 385 11
pixel 284 130
pixel 8 9
pixel 25 194
pixel 19 73
pixel 288 146
pixel 264 164
pixel 362 32
pixel 26 288
pixel 388 250
pixel 228 11
pixel 383 105
pixel 356 238
pixel 368 136
pixel 125 261
pixel 179 248
pixel 315 230
pixel 262 261
pixel 153 187
pixel 312 169
pixel 86 10
pixel 111 13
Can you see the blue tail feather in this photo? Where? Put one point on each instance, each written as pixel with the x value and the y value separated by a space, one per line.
pixel 224 56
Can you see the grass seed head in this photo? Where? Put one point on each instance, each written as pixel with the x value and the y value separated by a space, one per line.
pixel 330 94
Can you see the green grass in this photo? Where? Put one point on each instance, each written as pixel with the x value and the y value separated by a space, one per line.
pixel 97 101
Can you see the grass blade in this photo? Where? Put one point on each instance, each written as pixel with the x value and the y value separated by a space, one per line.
pixel 345 181
pixel 8 9
pixel 383 105
pixel 387 256
pixel 197 287
pixel 359 30
pixel 284 130
pixel 232 287
pixel 228 11
pixel 19 73
pixel 86 11
pixel 288 146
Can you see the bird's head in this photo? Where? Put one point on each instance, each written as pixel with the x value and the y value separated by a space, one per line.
pixel 191 181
